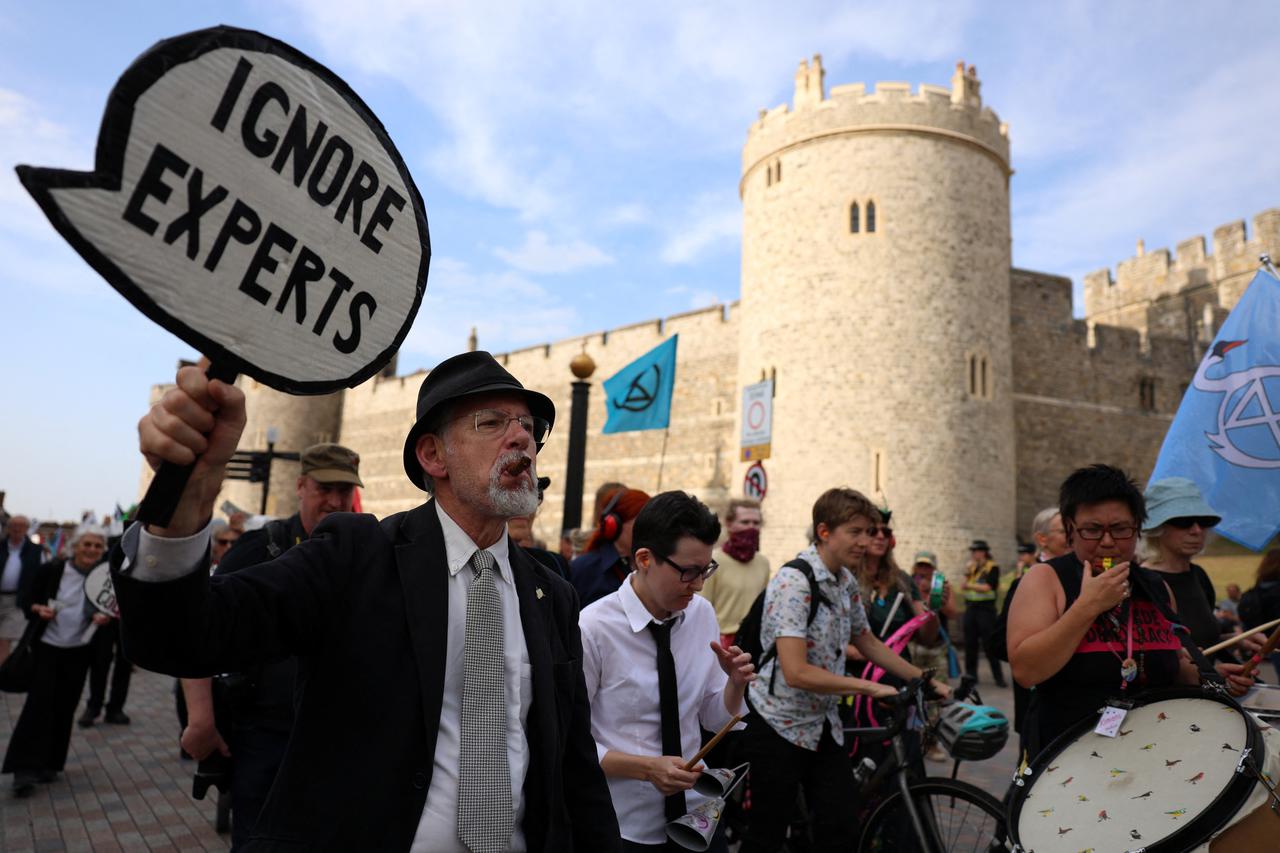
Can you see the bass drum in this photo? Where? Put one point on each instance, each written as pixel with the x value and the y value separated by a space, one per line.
pixel 1165 784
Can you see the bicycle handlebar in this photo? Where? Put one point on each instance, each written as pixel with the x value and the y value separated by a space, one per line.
pixel 912 695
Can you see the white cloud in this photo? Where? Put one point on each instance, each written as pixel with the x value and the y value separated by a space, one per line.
pixel 539 255
pixel 507 310
pixel 713 222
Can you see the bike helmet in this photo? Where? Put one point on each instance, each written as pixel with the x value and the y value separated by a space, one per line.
pixel 973 732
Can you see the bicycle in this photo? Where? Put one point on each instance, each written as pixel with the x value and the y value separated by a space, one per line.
pixel 930 815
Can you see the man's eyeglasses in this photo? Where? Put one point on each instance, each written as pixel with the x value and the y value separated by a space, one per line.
pixel 886 532
pixel 688 575
pixel 1185 523
pixel 221 541
pixel 1094 532
pixel 491 422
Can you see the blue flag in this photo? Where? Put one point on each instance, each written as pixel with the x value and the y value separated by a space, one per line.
pixel 1226 435
pixel 639 395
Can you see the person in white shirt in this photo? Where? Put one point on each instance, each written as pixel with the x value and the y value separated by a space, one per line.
pixel 656 672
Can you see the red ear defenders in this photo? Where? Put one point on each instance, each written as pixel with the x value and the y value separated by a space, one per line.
pixel 610 522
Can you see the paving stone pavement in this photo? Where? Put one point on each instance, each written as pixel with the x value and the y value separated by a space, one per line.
pixel 124 787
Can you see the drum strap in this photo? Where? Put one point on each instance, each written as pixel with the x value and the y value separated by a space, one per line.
pixel 1207 672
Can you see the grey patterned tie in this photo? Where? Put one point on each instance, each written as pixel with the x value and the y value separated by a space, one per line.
pixel 485 815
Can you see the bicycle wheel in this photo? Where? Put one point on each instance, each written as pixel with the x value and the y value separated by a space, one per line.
pixel 962 817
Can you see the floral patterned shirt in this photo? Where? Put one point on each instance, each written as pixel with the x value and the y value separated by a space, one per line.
pixel 798 715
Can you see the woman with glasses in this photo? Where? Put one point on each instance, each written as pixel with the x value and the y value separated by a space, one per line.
pixel 1089 626
pixel 1178 522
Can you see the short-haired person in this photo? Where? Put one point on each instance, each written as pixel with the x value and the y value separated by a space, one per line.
pixel 1081 633
pixel 656 673
pixel 21 557
pixel 605 562
pixel 795 739
pixel 1026 559
pixel 257 736
pixel 743 571
pixel 54 596
pixel 1228 609
pixel 981 585
pixel 222 537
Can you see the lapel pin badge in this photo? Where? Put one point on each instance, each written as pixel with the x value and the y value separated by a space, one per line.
pixel 539 591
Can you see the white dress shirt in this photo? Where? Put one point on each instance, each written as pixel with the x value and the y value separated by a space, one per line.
pixel 159 559
pixel 71 625
pixel 12 567
pixel 619 659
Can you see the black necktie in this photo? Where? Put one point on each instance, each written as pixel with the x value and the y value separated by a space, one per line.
pixel 669 702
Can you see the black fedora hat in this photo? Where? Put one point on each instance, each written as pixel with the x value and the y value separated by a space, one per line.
pixel 980 545
pixel 463 376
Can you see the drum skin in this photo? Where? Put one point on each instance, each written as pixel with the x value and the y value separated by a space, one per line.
pixel 1164 784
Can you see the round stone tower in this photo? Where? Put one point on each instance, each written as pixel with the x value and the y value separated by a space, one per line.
pixel 298 422
pixel 875 290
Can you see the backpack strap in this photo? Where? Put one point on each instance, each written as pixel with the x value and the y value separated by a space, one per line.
pixel 816 598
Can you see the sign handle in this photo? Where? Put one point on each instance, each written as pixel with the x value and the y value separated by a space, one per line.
pixel 166 487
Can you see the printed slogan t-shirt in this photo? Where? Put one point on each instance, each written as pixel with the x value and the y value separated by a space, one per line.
pixel 1092 675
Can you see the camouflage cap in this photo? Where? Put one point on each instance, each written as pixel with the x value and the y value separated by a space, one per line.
pixel 331 463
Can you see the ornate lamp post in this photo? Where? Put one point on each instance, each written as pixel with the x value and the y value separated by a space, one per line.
pixel 582 367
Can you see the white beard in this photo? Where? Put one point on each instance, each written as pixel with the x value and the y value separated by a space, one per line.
pixel 521 500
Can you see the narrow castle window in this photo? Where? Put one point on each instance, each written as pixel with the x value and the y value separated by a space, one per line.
pixel 853 218
pixel 979 376
pixel 777 174
pixel 871 217
pixel 1147 394
pixel 768 175
pixel 879 473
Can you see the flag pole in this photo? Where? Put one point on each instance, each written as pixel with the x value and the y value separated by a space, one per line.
pixel 662 459
pixel 1267 265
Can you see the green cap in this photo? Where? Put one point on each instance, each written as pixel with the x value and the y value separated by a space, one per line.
pixel 331 463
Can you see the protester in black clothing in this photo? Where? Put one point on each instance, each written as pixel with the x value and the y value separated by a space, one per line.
pixel 1091 625
pixel 1261 604
pixel 108 658
pixel 54 601
pixel 1175 532
pixel 261 701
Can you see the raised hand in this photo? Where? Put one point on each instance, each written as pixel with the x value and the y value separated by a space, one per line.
pixel 736 664
pixel 1099 593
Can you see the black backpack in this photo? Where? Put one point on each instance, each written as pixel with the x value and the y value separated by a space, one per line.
pixel 748 638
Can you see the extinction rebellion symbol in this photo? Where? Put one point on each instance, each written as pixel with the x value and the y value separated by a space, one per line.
pixel 640 397
pixel 1246 405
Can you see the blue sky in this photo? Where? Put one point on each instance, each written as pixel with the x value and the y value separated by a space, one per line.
pixel 579 162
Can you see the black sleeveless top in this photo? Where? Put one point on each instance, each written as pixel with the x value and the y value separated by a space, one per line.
pixel 1092 675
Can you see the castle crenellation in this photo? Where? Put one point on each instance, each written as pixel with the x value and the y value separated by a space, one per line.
pixel 911 359
pixel 1151 275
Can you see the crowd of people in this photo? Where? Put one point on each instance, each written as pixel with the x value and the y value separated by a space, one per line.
pixel 439 680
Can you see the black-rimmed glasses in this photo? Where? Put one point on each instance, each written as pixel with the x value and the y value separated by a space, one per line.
pixel 1185 523
pixel 1094 532
pixel 688 575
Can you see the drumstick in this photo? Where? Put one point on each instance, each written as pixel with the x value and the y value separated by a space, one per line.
pixel 1266 649
pixel 1240 637
pixel 693 762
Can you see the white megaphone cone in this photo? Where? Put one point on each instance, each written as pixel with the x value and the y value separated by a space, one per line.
pixel 695 830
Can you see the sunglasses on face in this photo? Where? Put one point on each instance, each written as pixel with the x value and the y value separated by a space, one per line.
pixel 1186 523
pixel 886 532
pixel 219 540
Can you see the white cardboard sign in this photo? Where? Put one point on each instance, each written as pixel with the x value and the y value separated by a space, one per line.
pixel 246 199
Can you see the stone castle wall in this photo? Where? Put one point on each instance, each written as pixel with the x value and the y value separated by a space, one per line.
pixel 1163 293
pixel 1078 395
pixel 870 333
pixel 699 451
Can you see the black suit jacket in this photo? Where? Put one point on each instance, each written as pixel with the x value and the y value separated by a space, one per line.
pixel 364 605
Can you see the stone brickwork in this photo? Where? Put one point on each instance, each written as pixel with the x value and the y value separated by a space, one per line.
pixel 1187 293
pixel 870 333
pixel 911 360
pixel 1078 392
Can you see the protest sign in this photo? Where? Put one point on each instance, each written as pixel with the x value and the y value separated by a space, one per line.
pixel 247 200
